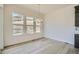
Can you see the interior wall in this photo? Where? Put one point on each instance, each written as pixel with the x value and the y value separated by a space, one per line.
pixel 9 39
pixel 59 24
pixel 1 27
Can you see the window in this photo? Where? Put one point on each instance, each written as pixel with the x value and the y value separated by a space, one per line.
pixel 25 25
pixel 17 23
pixel 30 25
pixel 38 25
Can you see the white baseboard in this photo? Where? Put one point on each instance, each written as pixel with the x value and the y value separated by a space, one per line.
pixel 60 40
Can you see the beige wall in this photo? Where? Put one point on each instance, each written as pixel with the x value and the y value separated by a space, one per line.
pixel 1 27
pixel 59 24
pixel 9 39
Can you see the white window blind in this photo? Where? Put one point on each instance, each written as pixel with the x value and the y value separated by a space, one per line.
pixel 25 24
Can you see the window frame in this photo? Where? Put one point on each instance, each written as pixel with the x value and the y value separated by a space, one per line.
pixel 21 16
pixel 25 25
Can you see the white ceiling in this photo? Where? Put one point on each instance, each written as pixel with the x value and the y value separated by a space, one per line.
pixel 45 8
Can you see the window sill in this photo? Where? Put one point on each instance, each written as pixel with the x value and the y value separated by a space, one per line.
pixel 24 35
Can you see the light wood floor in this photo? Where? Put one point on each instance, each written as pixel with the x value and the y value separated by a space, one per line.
pixel 42 46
